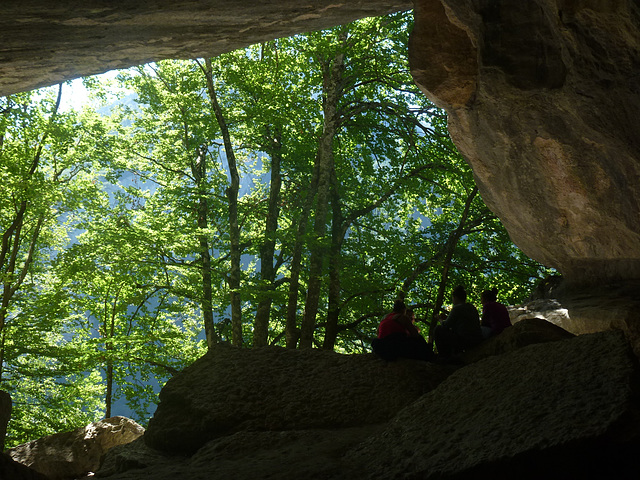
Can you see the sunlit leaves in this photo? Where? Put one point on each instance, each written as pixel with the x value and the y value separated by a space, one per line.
pixel 116 279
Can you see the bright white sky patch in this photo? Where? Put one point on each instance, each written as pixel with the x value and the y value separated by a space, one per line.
pixel 75 95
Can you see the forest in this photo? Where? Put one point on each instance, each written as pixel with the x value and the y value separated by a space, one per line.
pixel 284 194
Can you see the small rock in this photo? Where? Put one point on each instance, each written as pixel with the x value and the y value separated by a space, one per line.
pixel 73 454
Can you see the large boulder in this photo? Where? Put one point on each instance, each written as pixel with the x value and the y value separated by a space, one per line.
pixel 566 409
pixel 72 454
pixel 542 99
pixel 231 389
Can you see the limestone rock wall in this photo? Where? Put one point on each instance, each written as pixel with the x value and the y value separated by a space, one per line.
pixel 543 98
pixel 44 42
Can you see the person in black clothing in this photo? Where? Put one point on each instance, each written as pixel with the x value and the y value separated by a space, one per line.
pixel 461 329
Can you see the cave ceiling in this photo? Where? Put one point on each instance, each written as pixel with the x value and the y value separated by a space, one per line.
pixel 44 42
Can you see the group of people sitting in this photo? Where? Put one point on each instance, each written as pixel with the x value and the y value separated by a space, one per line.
pixel 458 331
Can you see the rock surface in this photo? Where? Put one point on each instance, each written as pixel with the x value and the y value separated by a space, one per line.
pixel 283 455
pixel 588 310
pixel 525 332
pixel 542 98
pixel 43 42
pixel 567 408
pixel 231 389
pixel 72 454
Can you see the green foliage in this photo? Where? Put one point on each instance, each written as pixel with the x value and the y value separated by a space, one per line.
pixel 109 281
pixel 46 173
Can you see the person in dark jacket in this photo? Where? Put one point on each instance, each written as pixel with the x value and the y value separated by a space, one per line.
pixel 461 329
pixel 495 316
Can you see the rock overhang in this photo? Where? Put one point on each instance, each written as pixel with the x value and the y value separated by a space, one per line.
pixel 44 43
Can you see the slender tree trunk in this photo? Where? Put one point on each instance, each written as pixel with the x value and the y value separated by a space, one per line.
pixel 109 395
pixel 291 332
pixel 234 228
pixel 452 242
pixel 337 237
pixel 3 312
pixel 267 271
pixel 199 172
pixel 109 332
pixel 340 226
pixel 332 87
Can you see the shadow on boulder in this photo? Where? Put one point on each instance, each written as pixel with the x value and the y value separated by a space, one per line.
pixel 564 409
pixel 536 403
pixel 12 470
pixel 274 389
pixel 523 333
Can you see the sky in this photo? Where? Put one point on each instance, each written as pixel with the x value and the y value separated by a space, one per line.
pixel 75 95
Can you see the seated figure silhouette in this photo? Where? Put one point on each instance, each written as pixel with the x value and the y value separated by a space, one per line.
pixel 398 337
pixel 461 329
pixel 495 316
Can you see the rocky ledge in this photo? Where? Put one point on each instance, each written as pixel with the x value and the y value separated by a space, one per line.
pixel 535 402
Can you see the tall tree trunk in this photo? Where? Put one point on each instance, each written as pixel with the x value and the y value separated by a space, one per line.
pixel 199 172
pixel 339 228
pixel 109 395
pixel 452 242
pixel 267 270
pixel 337 237
pixel 291 333
pixel 332 91
pixel 232 197
pixel 108 334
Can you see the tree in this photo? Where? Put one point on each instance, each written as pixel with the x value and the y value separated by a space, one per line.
pixel 216 194
pixel 172 140
pixel 23 216
pixel 332 68
pixel 231 191
pixel 46 173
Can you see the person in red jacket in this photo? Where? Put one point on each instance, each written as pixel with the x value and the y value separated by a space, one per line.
pixel 398 337
pixel 495 316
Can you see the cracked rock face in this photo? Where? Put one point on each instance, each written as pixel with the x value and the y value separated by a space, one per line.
pixel 542 99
